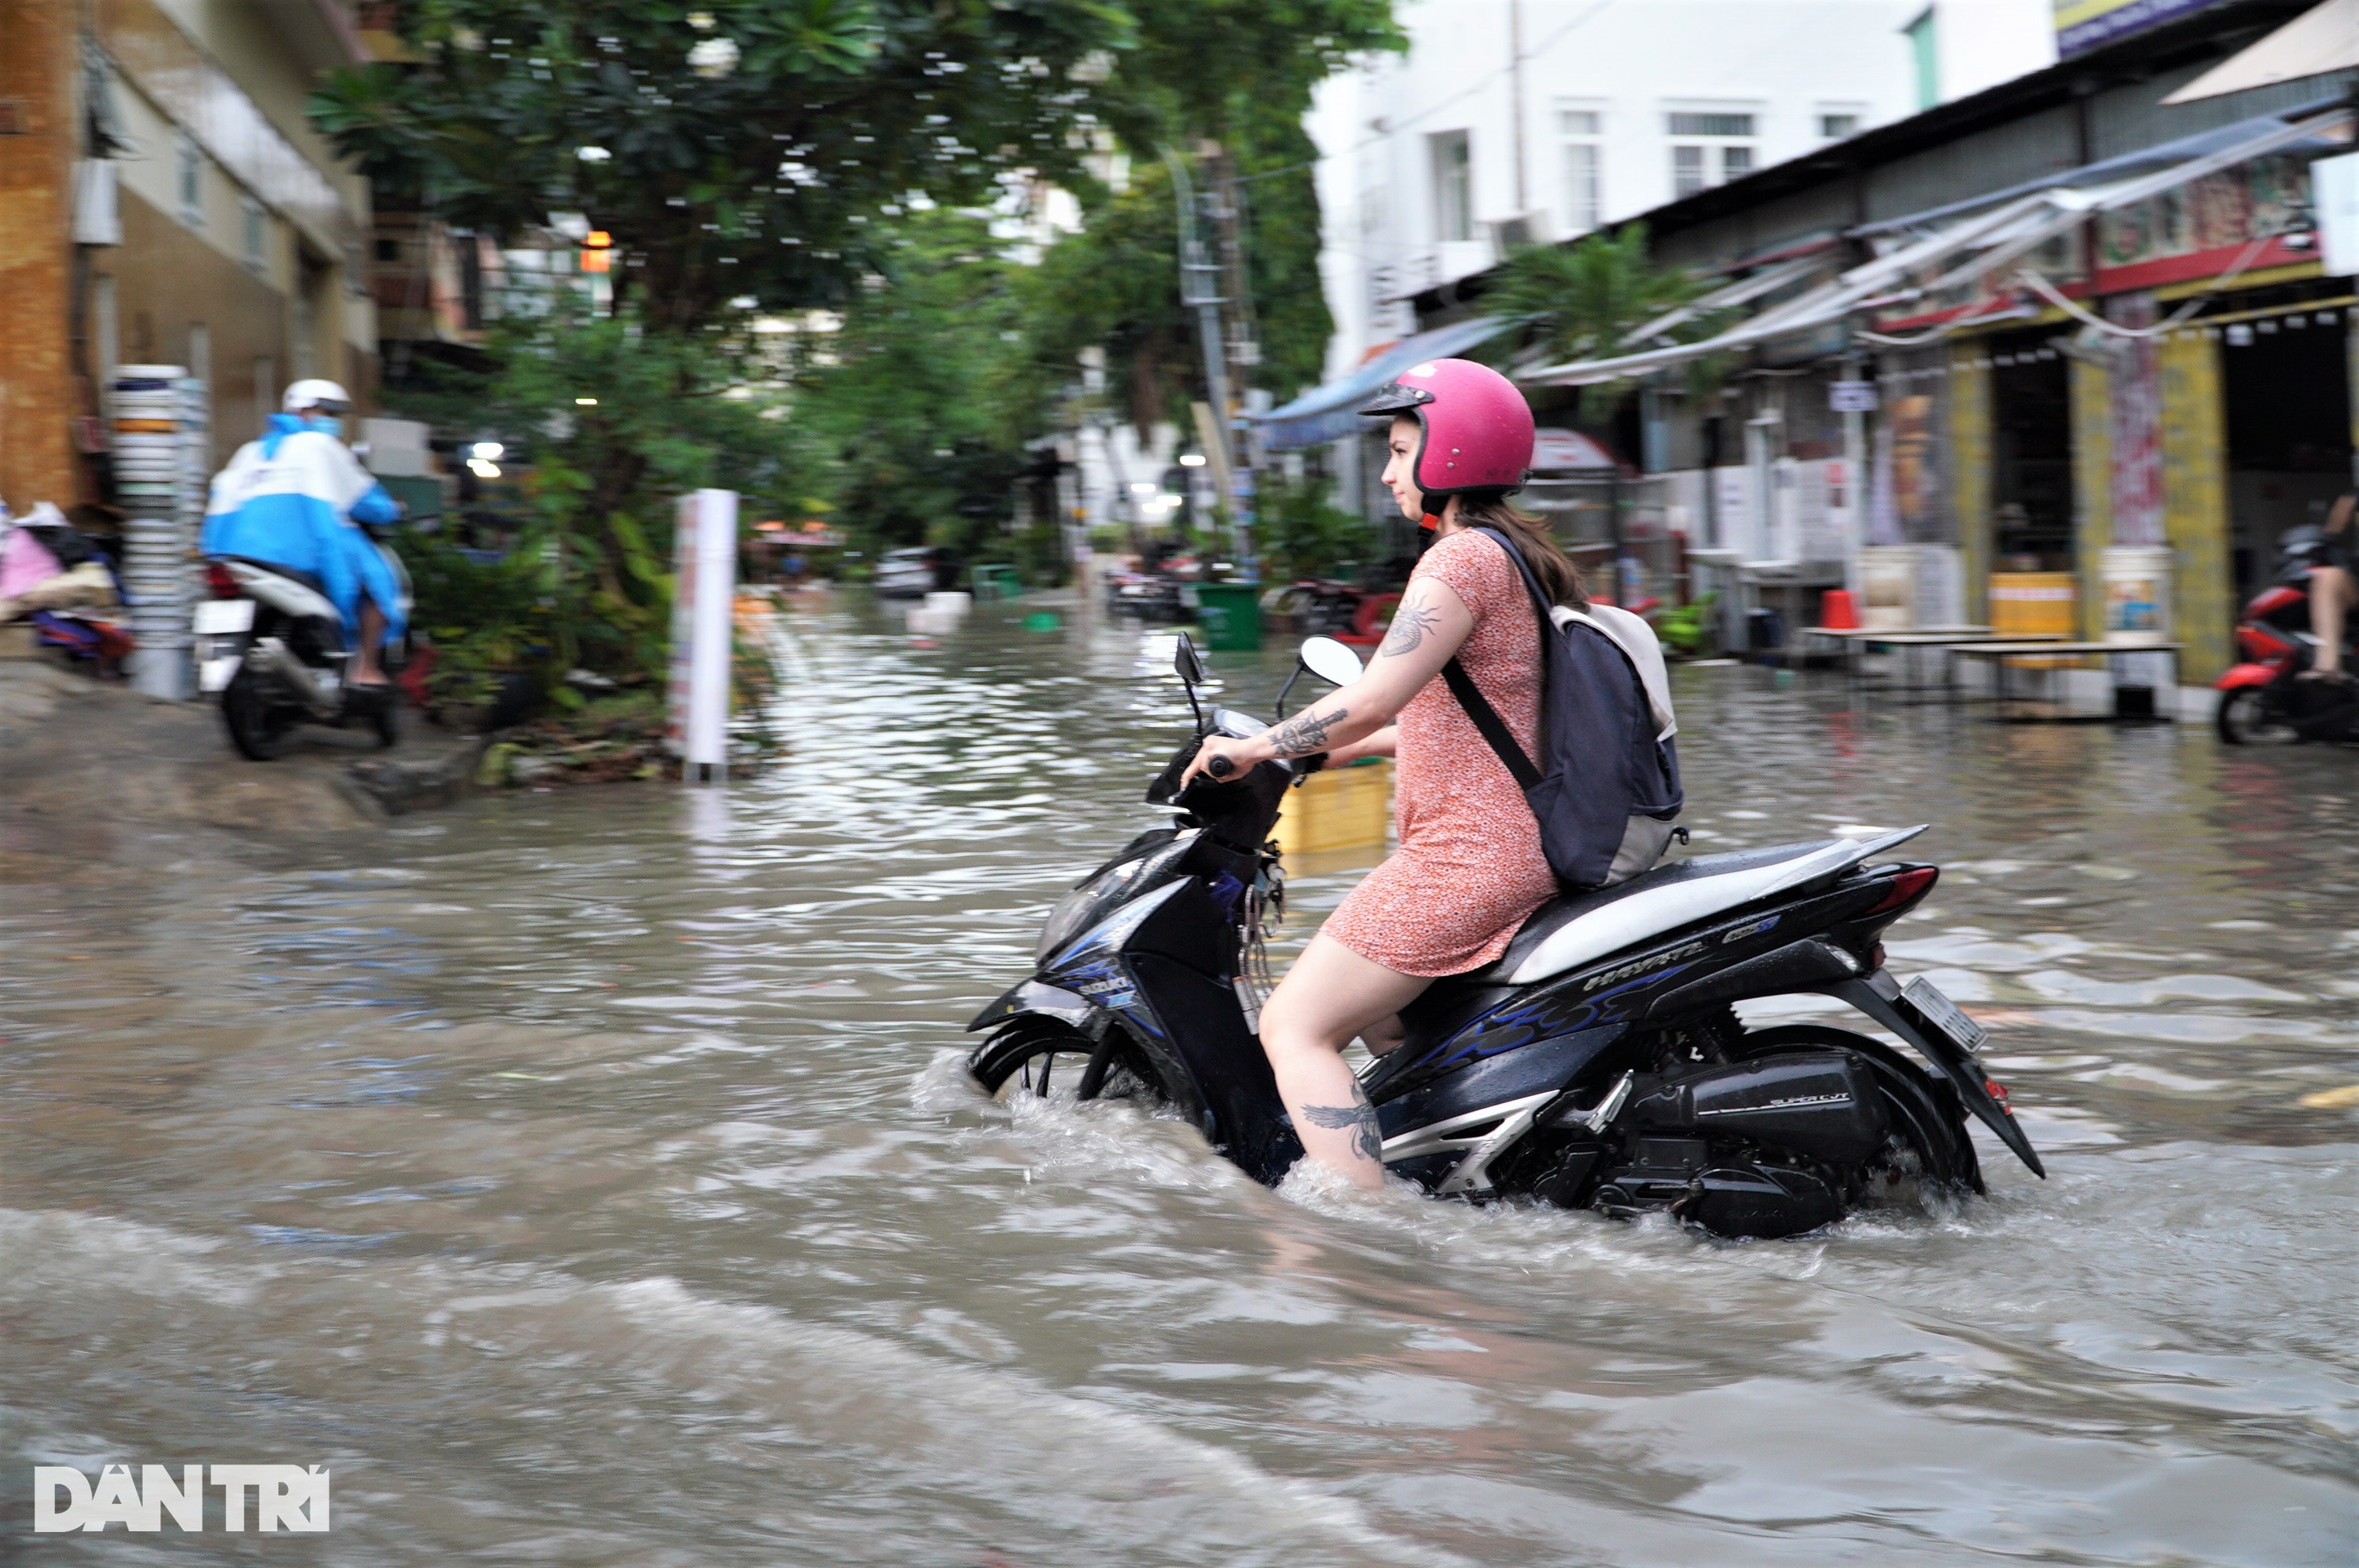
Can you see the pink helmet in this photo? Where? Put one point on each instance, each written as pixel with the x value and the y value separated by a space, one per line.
pixel 1475 427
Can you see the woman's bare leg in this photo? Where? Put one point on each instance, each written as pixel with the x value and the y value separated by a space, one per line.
pixel 1329 996
pixel 2330 594
pixel 1385 1035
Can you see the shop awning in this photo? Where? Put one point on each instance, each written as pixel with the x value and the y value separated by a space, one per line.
pixel 1766 281
pixel 1331 412
pixel 1930 255
pixel 2323 38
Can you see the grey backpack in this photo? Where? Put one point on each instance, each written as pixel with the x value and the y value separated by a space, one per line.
pixel 1606 789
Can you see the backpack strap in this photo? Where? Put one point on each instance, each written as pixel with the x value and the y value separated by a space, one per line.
pixel 1486 719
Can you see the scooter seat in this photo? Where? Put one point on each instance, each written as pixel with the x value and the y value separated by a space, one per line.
pixel 1569 932
pixel 293 574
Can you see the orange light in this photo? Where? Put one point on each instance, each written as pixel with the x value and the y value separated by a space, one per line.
pixel 597 261
pixel 598 240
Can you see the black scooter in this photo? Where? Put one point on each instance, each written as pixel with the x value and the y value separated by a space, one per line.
pixel 1597 1065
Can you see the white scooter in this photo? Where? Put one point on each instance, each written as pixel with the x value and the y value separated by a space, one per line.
pixel 272 643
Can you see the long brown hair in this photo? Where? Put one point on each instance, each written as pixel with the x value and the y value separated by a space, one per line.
pixel 1559 578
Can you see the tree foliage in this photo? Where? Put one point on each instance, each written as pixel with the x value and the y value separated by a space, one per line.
pixel 915 413
pixel 735 149
pixel 586 575
pixel 778 156
pixel 1585 301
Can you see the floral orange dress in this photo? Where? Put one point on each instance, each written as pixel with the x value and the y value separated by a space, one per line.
pixel 1469 869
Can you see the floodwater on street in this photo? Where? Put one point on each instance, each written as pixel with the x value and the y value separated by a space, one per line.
pixel 588 1177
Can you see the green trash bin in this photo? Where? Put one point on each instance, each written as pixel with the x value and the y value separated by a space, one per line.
pixel 1231 612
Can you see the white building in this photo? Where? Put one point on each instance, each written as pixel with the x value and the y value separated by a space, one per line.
pixel 1959 46
pixel 1515 120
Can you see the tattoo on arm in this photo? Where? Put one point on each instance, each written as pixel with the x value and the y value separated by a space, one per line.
pixel 1306 733
pixel 1411 621
pixel 1361 1118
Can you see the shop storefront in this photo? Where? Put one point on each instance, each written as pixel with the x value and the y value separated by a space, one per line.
pixel 2127 442
pixel 2109 365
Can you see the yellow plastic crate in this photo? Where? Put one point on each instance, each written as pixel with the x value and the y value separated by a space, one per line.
pixel 1338 808
pixel 2025 603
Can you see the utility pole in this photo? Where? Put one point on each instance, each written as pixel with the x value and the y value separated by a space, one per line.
pixel 1217 291
pixel 1200 290
pixel 1516 97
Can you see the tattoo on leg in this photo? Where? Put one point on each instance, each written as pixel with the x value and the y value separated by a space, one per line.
pixel 1361 1117
pixel 1411 622
pixel 1306 733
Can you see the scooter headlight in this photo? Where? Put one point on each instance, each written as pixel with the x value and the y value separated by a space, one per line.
pixel 1092 901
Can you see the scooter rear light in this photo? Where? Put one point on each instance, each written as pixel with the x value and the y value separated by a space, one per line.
pixel 1907 885
pixel 221 582
pixel 1997 1091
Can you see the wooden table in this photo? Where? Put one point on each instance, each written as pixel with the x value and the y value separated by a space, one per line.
pixel 1949 638
pixel 2032 648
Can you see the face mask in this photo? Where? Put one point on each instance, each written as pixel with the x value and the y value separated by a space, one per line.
pixel 326 424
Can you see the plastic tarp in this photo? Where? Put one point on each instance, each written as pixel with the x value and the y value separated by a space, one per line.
pixel 24 561
pixel 1928 255
pixel 1331 412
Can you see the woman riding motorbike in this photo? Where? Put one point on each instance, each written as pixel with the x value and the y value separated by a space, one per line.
pixel 1469 867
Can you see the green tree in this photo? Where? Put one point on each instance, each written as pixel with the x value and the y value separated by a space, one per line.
pixel 736 149
pixel 1239 74
pixel 1583 300
pixel 917 410
pixel 586 581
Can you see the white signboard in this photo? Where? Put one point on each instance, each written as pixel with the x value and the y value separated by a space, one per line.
pixel 2334 193
pixel 1850 396
pixel 1732 501
pixel 704 591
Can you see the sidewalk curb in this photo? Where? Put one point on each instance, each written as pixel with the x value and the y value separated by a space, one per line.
pixel 388 788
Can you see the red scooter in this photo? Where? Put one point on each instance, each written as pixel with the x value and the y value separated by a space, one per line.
pixel 2263 701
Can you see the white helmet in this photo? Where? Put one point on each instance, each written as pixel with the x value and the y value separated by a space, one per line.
pixel 313 393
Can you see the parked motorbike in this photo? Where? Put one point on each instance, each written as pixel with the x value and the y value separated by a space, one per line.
pixel 1317 605
pixel 272 643
pixel 2262 700
pixel 1599 1064
pixel 1154 595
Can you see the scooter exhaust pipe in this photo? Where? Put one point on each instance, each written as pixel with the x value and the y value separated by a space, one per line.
pixel 277 660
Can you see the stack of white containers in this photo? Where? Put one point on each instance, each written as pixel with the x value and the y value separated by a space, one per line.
pixel 163 449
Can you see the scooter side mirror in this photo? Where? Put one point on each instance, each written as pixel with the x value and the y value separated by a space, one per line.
pixel 1331 660
pixel 1189 667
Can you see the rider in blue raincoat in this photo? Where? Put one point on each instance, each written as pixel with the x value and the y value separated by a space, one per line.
pixel 294 499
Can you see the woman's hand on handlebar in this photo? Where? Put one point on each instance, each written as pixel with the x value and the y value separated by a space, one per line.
pixel 1240 757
